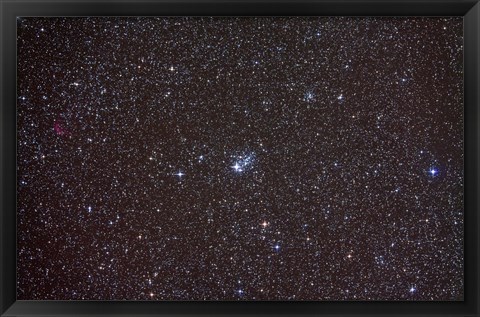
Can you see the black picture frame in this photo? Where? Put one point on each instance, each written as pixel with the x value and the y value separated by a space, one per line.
pixel 10 9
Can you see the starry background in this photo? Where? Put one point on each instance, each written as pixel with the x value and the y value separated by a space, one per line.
pixel 289 158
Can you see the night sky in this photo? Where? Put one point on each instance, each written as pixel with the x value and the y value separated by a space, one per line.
pixel 240 158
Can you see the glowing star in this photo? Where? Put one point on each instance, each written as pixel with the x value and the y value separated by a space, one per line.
pixel 340 97
pixel 276 247
pixel 412 289
pixel 237 167
pixel 264 224
pixel 433 171
pixel 180 174
pixel 243 163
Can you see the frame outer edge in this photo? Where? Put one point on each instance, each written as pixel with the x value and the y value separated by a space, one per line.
pixel 477 102
pixel 472 138
pixel 7 306
pixel 2 101
pixel 3 235
pixel 7 160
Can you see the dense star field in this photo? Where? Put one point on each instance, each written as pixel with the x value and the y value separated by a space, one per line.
pixel 240 158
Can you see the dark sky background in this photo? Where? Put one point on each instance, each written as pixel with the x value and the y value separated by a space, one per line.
pixel 240 158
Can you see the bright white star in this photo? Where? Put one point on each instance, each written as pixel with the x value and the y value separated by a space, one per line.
pixel 237 167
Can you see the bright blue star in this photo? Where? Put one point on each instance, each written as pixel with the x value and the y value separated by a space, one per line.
pixel 433 171
pixel 180 174
pixel 243 163
pixel 237 167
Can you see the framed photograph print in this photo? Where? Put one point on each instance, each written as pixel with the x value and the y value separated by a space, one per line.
pixel 239 158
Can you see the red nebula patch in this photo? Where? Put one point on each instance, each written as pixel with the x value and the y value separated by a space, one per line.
pixel 59 128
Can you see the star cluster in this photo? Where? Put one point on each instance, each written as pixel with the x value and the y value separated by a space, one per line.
pixel 293 158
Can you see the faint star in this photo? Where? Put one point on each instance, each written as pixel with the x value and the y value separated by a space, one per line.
pixel 308 96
